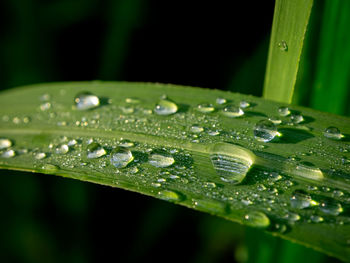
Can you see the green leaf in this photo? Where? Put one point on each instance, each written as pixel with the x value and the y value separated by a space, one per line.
pixel 288 31
pixel 295 186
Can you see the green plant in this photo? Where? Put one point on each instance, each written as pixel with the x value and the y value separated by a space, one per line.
pixel 186 157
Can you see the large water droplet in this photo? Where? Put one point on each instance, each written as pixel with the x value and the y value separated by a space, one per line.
pixel 330 207
pixel 300 199
pixel 165 107
pixel 86 101
pixel 169 196
pixel 231 162
pixel 95 150
pixel 256 219
pixel 308 170
pixel 121 157
pixel 205 107
pixel 265 131
pixel 5 143
pixel 161 159
pixel 62 149
pixel 283 45
pixel 8 154
pixel 283 111
pixel 333 133
pixel 232 111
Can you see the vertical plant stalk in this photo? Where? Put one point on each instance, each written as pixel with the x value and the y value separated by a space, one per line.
pixel 290 22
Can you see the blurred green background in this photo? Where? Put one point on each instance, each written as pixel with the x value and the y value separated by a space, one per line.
pixel 216 45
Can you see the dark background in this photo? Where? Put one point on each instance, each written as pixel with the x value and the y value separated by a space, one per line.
pixel 218 45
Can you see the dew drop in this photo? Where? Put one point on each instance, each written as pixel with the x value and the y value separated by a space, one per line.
pixel 212 206
pixel 308 170
pixel 283 46
pixel 275 120
pixel 86 101
pixel 205 107
pixel 213 133
pixel 161 160
pixel 126 143
pixel 72 142
pixel 8 154
pixel 121 157
pixel 292 217
pixel 265 131
pixel 333 133
pixel 95 150
pixel 197 129
pixel 331 207
pixel 256 219
pixel 232 111
pixel 300 199
pixel 5 143
pixel 230 162
pixel 316 219
pixel 165 107
pixel 170 196
pixel 62 149
pixel 244 104
pixel 50 168
pixel 296 118
pixel 283 111
pixel 40 156
pixel 132 100
pixel 221 101
pixel 45 106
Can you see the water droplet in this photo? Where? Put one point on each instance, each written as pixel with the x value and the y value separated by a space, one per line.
pixel 196 129
pixel 308 170
pixel 316 219
pixel 283 111
pixel 62 149
pixel 95 150
pixel 121 157
pixel 296 118
pixel 221 101
pixel 231 162
pixel 330 207
pixel 256 219
pixel 165 107
pixel 292 217
pixel 212 206
pixel 333 133
pixel 72 142
pixel 126 143
pixel 132 100
pixel 161 159
pixel 209 185
pixel 45 106
pixel 232 111
pixel 283 46
pixel 300 199
pixel 5 143
pixel 244 104
pixel 213 133
pixel 40 155
pixel 170 196
pixel 265 131
pixel 127 110
pixel 275 120
pixel 86 101
pixel 205 107
pixel 50 168
pixel 8 154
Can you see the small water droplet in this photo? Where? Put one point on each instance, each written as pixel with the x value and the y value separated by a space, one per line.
pixel 170 196
pixel 292 217
pixel 231 162
pixel 221 101
pixel 121 157
pixel 45 106
pixel 296 118
pixel 62 149
pixel 72 142
pixel 275 120
pixel 212 206
pixel 300 200
pixel 265 131
pixel 213 133
pixel 283 111
pixel 196 129
pixel 127 110
pixel 86 101
pixel 308 170
pixel 126 143
pixel 161 159
pixel 40 155
pixel 232 111
pixel 95 150
pixel 205 107
pixel 330 207
pixel 165 107
pixel 8 154
pixel 282 45
pixel 132 100
pixel 256 219
pixel 333 133
pixel 5 143
pixel 244 104
pixel 316 219
pixel 50 168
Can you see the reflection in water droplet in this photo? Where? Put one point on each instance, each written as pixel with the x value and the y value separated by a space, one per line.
pixel 40 156
pixel 169 196
pixel 221 101
pixel 86 101
pixel 95 150
pixel 256 219
pixel 196 129
pixel 5 143
pixel 300 199
pixel 333 133
pixel 161 160
pixel 331 207
pixel 165 107
pixel 283 111
pixel 283 46
pixel 62 149
pixel 8 154
pixel 121 157
pixel 265 131
pixel 232 111
pixel 205 107
pixel 231 162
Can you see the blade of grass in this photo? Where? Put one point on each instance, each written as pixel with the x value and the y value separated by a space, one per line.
pixel 288 30
pixel 193 180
